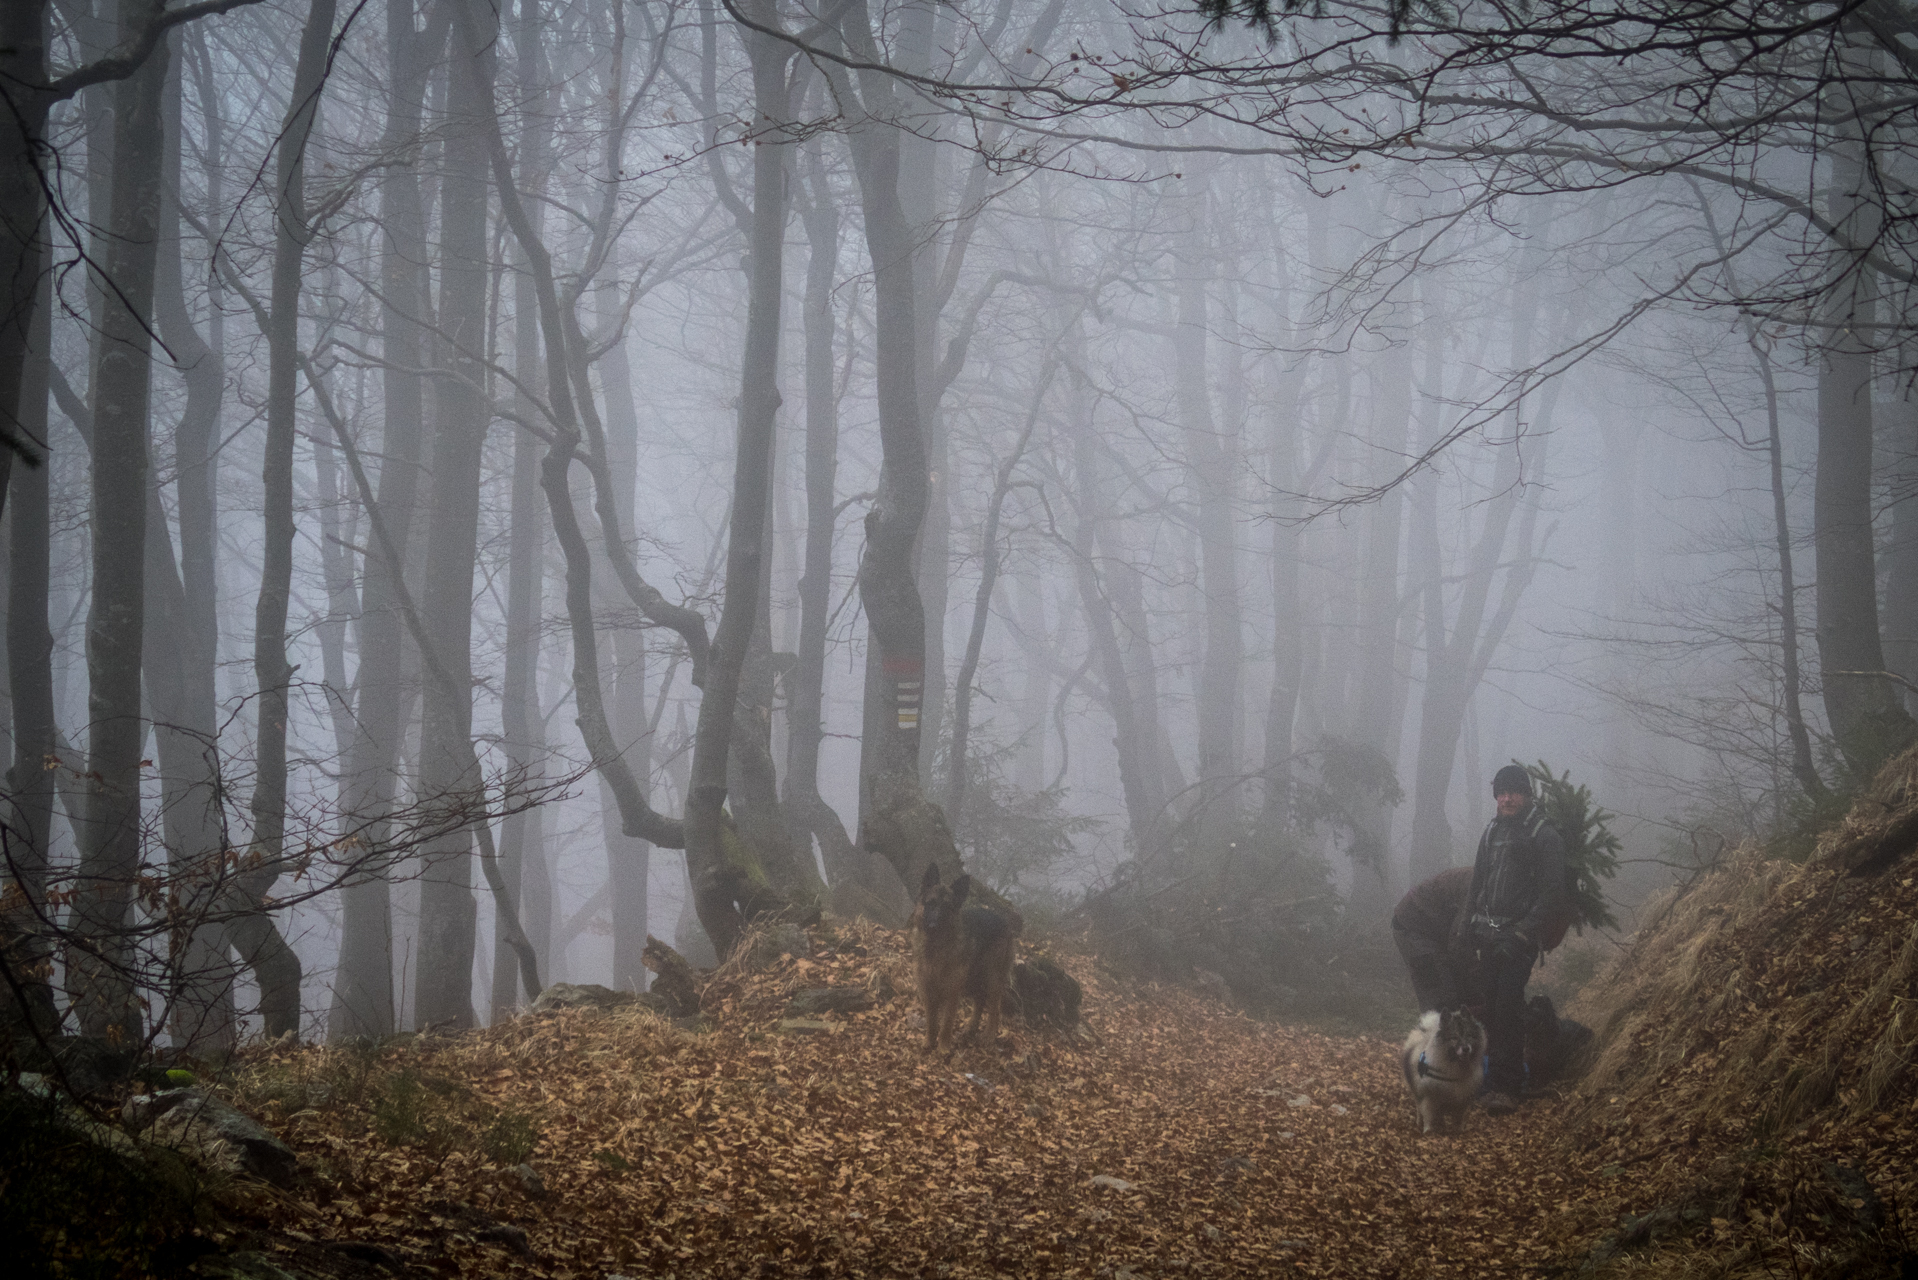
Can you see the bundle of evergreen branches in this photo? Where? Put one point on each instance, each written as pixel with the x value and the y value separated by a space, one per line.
pixel 1591 850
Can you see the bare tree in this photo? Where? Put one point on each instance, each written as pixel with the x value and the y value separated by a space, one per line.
pixel 127 252
pixel 261 945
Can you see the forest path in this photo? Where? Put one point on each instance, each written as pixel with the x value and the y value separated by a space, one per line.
pixel 1181 1138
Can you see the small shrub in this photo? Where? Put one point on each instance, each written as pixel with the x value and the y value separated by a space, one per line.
pixel 438 1116
pixel 510 1139
pixel 401 1112
pixel 350 1067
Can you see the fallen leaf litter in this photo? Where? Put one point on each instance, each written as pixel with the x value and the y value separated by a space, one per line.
pixel 1174 1138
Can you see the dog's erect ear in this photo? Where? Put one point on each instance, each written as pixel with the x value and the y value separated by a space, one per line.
pixel 931 880
pixel 960 888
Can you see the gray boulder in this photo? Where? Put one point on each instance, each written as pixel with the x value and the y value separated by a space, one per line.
pixel 212 1132
pixel 780 940
pixel 812 1002
pixel 581 995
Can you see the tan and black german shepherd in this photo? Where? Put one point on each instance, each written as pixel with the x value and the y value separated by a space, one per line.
pixel 960 952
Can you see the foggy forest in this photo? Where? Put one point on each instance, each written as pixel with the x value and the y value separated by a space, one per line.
pixel 489 483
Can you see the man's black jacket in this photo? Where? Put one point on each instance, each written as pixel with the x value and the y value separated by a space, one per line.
pixel 1518 878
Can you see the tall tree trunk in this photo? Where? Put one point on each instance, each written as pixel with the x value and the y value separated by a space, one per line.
pixel 1287 626
pixel 522 864
pixel 915 42
pixel 1210 462
pixel 1031 629
pixel 628 858
pixel 1125 586
pixel 1864 709
pixel 181 638
pixel 1137 747
pixel 1865 712
pixel 1804 769
pixel 1380 681
pixel 1901 554
pixel 23 248
pixel 519 694
pixel 443 985
pixel 100 960
pixel 896 820
pixel 849 868
pixel 725 903
pixel 30 782
pixel 363 997
pixel 259 943
pixel 957 778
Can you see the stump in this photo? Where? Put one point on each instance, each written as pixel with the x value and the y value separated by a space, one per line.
pixel 676 985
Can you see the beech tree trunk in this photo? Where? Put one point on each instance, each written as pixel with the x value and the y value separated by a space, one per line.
pixel 1379 681
pixel 810 817
pixel 724 898
pixel 363 997
pixel 1211 464
pixel 443 988
pixel 1282 468
pixel 896 820
pixel 28 949
pixel 1901 555
pixel 628 858
pixel 957 777
pixel 179 657
pixel 23 67
pixel 1866 714
pixel 258 940
pixel 99 959
pixel 1140 778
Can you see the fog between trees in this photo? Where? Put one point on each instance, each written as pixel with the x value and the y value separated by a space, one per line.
pixel 489 483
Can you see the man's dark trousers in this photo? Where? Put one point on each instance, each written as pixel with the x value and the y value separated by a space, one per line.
pixel 1505 967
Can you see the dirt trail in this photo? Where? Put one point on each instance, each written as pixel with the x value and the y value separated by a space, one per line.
pixel 1184 1140
pixel 1752 1112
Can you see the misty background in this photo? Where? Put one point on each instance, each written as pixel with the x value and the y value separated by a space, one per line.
pixel 1307 427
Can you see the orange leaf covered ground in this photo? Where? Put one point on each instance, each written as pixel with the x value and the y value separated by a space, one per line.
pixel 1180 1138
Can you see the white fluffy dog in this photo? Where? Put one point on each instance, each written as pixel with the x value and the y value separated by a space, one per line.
pixel 1444 1065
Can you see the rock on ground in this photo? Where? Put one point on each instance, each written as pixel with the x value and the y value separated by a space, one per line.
pixel 215 1133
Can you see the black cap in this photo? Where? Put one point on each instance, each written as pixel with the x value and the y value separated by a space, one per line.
pixel 1512 779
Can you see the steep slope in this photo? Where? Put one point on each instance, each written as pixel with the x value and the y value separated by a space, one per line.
pixel 1754 1080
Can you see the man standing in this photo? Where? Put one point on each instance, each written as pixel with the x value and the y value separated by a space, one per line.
pixel 1518 883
